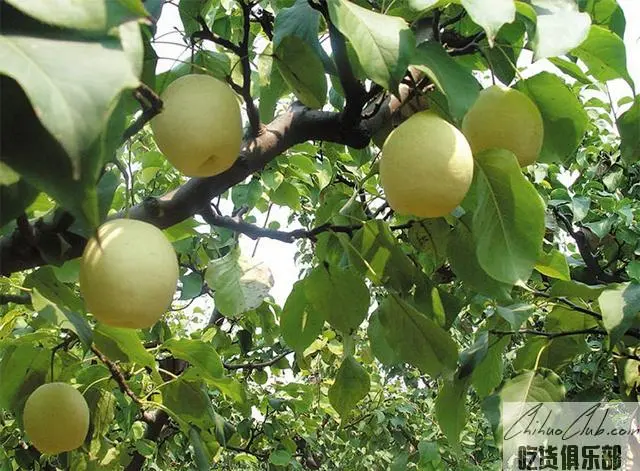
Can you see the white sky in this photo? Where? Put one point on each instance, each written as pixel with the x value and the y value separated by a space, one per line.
pixel 279 256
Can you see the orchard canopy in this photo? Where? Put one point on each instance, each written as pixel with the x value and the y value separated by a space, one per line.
pixel 403 334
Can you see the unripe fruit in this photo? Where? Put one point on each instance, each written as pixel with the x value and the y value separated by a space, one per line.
pixel 129 274
pixel 200 127
pixel 426 166
pixel 504 118
pixel 56 418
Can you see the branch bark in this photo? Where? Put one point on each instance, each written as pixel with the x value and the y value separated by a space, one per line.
pixel 297 125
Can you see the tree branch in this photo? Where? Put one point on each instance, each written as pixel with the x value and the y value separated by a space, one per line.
pixel 583 247
pixel 117 375
pixel 257 366
pixel 151 106
pixel 297 125
pixel 255 232
pixel 355 94
pixel 252 111
pixel 15 298
pixel 207 34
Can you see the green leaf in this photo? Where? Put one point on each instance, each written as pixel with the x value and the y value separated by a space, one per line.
pixel 565 120
pixel 531 386
pixel 280 457
pixel 61 317
pixel 571 69
pixel 489 373
pixel 201 356
pixel 302 70
pixel 240 283
pixel 464 263
pixel 554 265
pixel 191 285
pixel 417 339
pixel 380 347
pixel 374 251
pixel 286 195
pixel 96 16
pixel 620 309
pixel 515 314
pixel 604 54
pixel 189 401
pixel 560 27
pixel 384 44
pixel 490 14
pixel 508 224
pixel 451 410
pixel 351 385
pixel 122 345
pixel 302 21
pixel 200 455
pixel 74 115
pixel 456 82
pixel 575 289
pixel 233 390
pixel 300 324
pixel 339 296
pixel 15 196
pixel 472 356
pixel 22 369
pixel 629 127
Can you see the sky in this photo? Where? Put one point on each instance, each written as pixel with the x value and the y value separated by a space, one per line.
pixel 278 256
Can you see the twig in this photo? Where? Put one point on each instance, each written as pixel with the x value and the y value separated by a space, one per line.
pixel 117 375
pixel 254 232
pixel 206 34
pixel 549 335
pixel 151 106
pixel 262 456
pixel 257 366
pixel 252 111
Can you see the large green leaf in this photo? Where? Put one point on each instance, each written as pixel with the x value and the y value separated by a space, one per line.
pixel 22 369
pixel 530 386
pixel 553 264
pixel 240 283
pixel 380 347
pixel 189 401
pixel 490 14
pixel 302 21
pixel 620 309
pixel 456 82
pixel 300 324
pixel 488 374
pixel 122 345
pixel 352 384
pixel 339 296
pixel 384 44
pixel 417 339
pixel 95 16
pixel 565 120
pixel 605 55
pixel 451 410
pixel 464 263
pixel 629 127
pixel 201 355
pixel 302 69
pixel 508 224
pixel 560 27
pixel 73 107
pixel 374 251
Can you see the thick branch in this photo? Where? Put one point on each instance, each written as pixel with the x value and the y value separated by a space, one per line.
pixel 297 125
pixel 155 419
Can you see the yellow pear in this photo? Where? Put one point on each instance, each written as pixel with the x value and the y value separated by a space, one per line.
pixel 504 118
pixel 200 127
pixel 128 275
pixel 426 166
pixel 56 418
